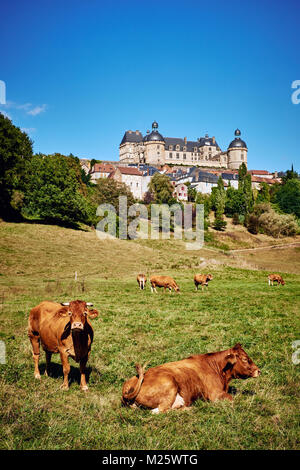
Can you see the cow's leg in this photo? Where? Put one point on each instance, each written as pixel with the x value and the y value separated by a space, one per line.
pixel 152 290
pixel 165 392
pixel 83 384
pixel 164 289
pixel 48 362
pixel 220 395
pixel 166 402
pixel 35 343
pixel 66 370
pixel 224 396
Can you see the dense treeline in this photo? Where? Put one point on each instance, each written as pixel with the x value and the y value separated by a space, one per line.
pixel 55 189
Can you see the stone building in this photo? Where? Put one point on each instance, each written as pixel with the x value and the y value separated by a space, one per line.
pixel 155 149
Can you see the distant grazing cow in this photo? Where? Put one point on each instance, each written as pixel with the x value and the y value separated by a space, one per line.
pixel 178 384
pixel 202 279
pixel 275 278
pixel 64 329
pixel 166 282
pixel 141 279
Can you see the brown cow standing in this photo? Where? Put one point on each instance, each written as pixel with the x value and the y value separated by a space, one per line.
pixel 64 329
pixel 166 282
pixel 141 279
pixel 202 279
pixel 178 384
pixel 275 278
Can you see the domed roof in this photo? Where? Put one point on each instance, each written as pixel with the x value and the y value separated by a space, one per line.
pixel 237 142
pixel 155 136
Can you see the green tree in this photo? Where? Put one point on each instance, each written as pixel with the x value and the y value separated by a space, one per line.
pixel 192 192
pixel 108 190
pixel 290 175
pixel 15 151
pixel 220 196
pixel 162 189
pixel 263 194
pixel 206 201
pixel 54 190
pixel 288 197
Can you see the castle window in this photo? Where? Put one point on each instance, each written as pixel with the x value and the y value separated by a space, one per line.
pixel 184 156
pixel 195 149
pixel 184 149
pixel 177 147
pixel 177 155
pixel 170 147
pixel 170 155
pixel 157 147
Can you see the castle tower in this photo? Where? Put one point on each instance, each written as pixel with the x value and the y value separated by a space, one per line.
pixel 237 152
pixel 154 146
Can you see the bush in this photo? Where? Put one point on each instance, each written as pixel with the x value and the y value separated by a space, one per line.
pixel 278 225
pixel 253 224
pixel 265 219
pixel 219 223
pixel 236 219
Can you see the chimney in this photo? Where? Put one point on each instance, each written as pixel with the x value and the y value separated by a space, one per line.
pixel 185 141
pixel 275 174
pixel 137 132
pixel 130 132
pixel 214 140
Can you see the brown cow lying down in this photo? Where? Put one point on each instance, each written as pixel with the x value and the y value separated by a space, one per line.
pixel 64 329
pixel 166 282
pixel 275 278
pixel 178 384
pixel 141 279
pixel 202 279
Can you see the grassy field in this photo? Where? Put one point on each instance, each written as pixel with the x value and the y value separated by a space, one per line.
pixel 38 262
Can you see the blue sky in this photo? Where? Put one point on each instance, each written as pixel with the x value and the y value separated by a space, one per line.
pixel 80 73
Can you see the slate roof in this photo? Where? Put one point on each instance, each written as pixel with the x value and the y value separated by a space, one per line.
pixel 132 136
pixel 137 137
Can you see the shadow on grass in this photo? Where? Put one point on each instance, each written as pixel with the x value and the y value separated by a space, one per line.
pixel 18 218
pixel 56 372
pixel 235 391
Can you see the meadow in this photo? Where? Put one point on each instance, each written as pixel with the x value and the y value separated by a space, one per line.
pixel 39 262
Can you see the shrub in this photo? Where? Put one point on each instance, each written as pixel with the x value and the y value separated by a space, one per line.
pixel 278 225
pixel 236 219
pixel 265 219
pixel 253 224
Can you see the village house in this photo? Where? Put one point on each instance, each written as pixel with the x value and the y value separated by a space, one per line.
pixel 101 170
pixel 180 191
pixel 133 178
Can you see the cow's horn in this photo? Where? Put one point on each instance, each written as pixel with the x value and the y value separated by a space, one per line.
pixel 65 304
pixel 89 304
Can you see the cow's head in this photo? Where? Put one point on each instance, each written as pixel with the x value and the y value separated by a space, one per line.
pixel 282 282
pixel 176 289
pixel 77 311
pixel 209 277
pixel 242 367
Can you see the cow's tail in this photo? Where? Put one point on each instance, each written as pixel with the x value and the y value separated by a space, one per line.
pixel 130 392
